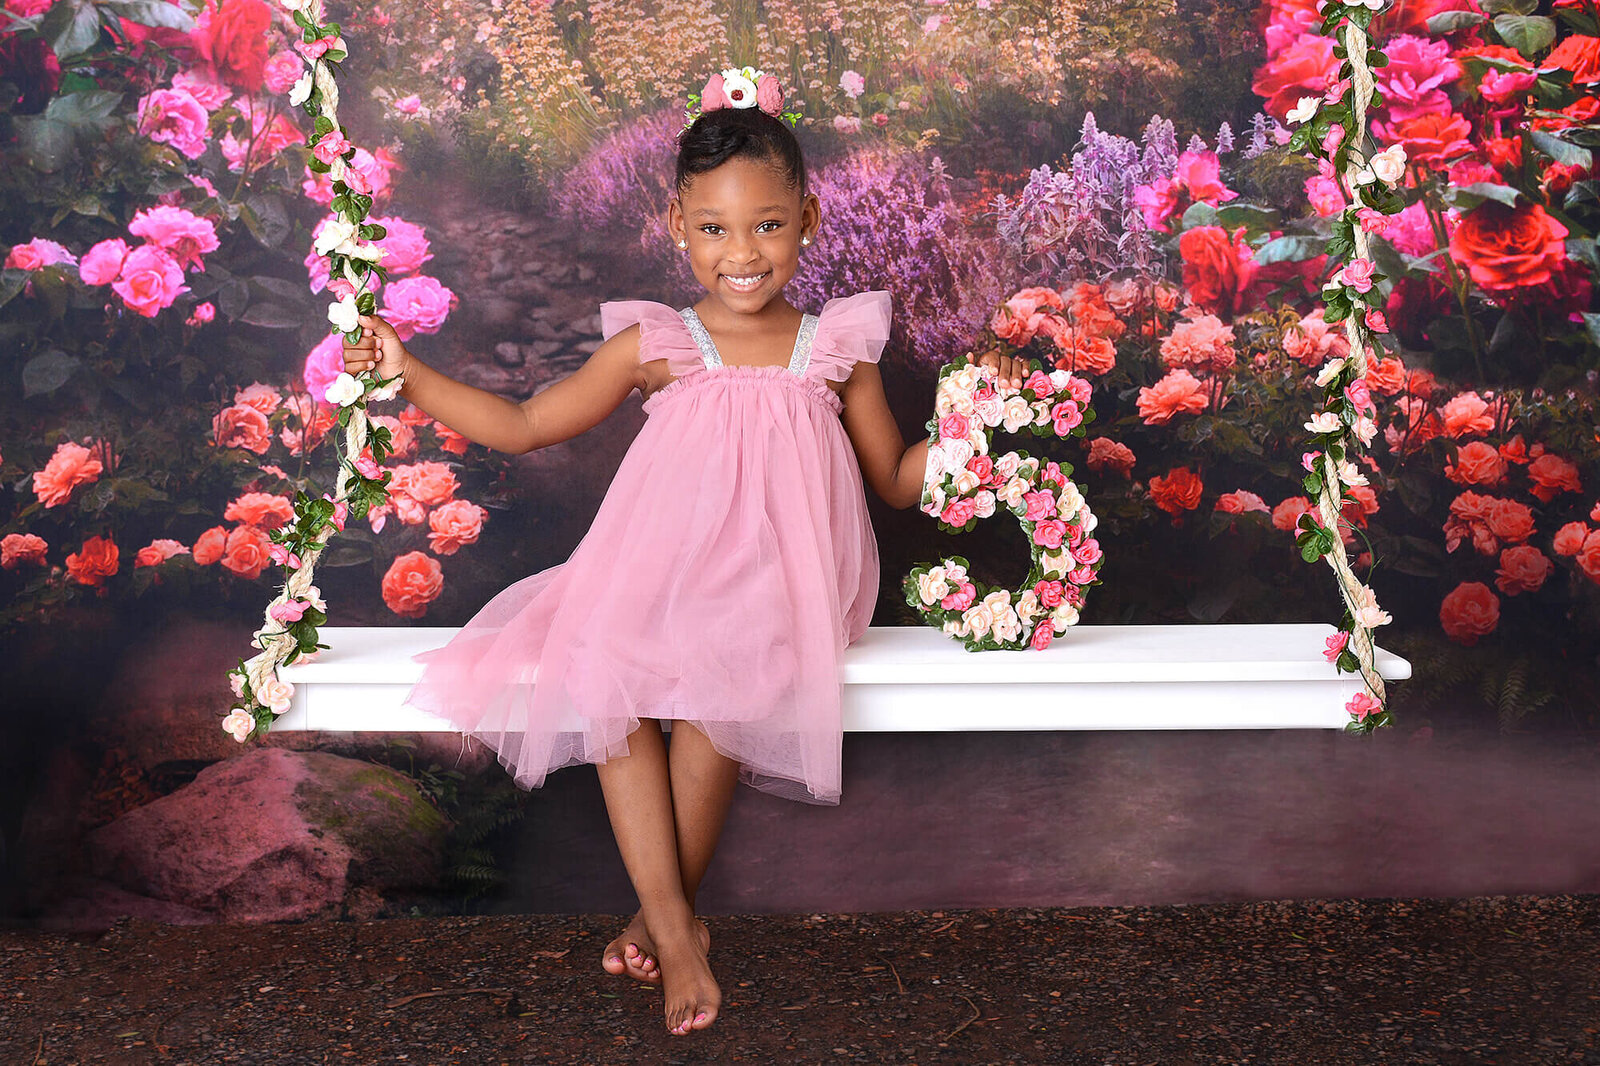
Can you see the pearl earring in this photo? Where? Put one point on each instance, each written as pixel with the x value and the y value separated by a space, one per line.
pixel 683 244
pixel 805 240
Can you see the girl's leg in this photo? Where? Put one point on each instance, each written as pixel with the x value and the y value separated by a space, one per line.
pixel 639 802
pixel 702 782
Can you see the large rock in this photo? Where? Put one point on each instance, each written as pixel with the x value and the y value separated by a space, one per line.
pixel 274 835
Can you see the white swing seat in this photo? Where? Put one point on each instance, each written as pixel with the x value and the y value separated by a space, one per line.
pixel 916 679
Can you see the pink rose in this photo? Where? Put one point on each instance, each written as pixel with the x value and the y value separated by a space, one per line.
pixel 1358 274
pixel 983 466
pixel 182 233
pixel 1041 505
pixel 1336 645
pixel 102 263
pixel 282 71
pixel 1358 395
pixel 1362 704
pixel 324 363
pixel 1050 533
pixel 1088 553
pixel 242 426
pixel 150 280
pixel 331 146
pixel 769 95
pixel 207 93
pixel 1049 593
pixel 37 253
pixel 168 116
pixel 953 426
pixel 19 548
pixel 408 105
pixel 1043 634
pixel 406 245
pixel 961 598
pixel 368 467
pixel 959 512
pixel 1375 320
pixel 454 524
pixel 712 97
pixel 201 314
pixel 417 304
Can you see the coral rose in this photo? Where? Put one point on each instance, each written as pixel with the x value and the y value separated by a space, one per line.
pixel 19 548
pixel 71 465
pixel 1476 463
pixel 150 280
pixel 1552 475
pixel 94 562
pixel 1287 513
pixel 1508 248
pixel 232 40
pixel 412 581
pixel 1178 491
pixel 1179 392
pixel 1569 538
pixel 1588 555
pixel 248 551
pixel 1216 267
pixel 1107 454
pixel 1470 611
pixel 209 546
pixel 455 524
pixel 158 551
pixel 1522 569
pixel 241 425
pixel 261 509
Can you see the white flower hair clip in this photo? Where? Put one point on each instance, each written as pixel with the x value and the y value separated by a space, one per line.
pixel 738 87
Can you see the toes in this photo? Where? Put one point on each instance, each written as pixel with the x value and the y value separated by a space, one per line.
pixel 704 1018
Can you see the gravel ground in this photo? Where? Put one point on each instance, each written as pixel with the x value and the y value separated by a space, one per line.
pixel 1485 980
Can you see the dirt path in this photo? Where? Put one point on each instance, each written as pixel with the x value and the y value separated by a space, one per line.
pixel 1500 979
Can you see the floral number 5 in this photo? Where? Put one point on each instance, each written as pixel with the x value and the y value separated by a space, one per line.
pixel 964 483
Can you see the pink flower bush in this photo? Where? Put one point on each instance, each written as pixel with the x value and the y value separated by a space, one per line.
pixel 169 116
pixel 150 281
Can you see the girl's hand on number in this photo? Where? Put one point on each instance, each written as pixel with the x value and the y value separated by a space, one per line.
pixel 379 348
pixel 1013 369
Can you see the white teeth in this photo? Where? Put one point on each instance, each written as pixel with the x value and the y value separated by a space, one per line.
pixel 747 281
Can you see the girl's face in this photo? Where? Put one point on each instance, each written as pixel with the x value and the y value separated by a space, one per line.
pixel 743 226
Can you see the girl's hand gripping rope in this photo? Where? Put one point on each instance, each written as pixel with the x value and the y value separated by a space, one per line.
pixel 379 347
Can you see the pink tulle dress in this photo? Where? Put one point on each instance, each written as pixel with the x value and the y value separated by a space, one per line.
pixel 730 563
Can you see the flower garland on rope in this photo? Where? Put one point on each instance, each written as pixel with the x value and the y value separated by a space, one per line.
pixel 292 618
pixel 963 483
pixel 1335 127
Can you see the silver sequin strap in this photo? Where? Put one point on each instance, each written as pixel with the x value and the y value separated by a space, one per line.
pixel 801 356
pixel 697 329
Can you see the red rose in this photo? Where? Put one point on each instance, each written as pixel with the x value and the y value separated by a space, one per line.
pixel 1213 270
pixel 1469 612
pixel 1507 248
pixel 32 65
pixel 1178 491
pixel 231 38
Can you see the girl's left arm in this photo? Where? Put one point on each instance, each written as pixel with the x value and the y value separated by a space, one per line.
pixel 894 471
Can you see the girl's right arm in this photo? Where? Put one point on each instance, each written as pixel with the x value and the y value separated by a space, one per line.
pixel 571 406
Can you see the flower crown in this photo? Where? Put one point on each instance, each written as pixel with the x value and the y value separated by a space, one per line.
pixel 738 87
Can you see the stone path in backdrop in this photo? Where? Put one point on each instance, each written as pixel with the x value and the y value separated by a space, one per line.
pixel 1508 980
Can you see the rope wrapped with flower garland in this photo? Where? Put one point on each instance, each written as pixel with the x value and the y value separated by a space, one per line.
pixel 292 617
pixel 1336 128
pixel 963 483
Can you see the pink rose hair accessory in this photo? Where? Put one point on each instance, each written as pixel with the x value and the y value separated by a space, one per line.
pixel 738 87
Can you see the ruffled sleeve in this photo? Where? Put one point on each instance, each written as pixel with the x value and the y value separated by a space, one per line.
pixel 662 333
pixel 850 329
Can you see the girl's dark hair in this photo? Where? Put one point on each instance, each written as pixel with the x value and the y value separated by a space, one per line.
pixel 747 132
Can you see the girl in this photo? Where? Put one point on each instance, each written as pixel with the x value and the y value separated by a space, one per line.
pixel 731 561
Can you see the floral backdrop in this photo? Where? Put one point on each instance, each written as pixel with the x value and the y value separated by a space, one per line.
pixel 1118 161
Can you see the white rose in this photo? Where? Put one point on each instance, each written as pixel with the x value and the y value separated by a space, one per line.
pixel 1063 616
pixel 957 452
pixel 1330 370
pixel 978 618
pixel 1390 164
pixel 1027 605
pixel 1028 468
pixel 1069 501
pixel 943 404
pixel 1007 464
pixel 314 597
pixel 936 501
pixel 1007 626
pixel 385 392
pixel 1323 422
pixel 1302 111
pixel 1059 379
pixel 1090 521
pixel 1365 428
pixel 965 481
pixel 334 232
pixel 965 378
pixel 990 410
pixel 239 723
pixel 344 391
pixel 1349 474
pixel 955 573
pixel 932 587
pixel 1041 414
pixel 1055 563
pixel 956 627
pixel 1013 491
pixel 1017 413
pixel 275 694
pixel 985 502
pixel 732 82
pixel 300 91
pixel 962 403
pixel 343 314
pixel 936 468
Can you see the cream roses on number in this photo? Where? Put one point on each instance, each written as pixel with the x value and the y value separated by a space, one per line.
pixel 965 482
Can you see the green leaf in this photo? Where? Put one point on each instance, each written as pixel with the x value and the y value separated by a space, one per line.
pixel 88 109
pixel 284 289
pixel 1560 150
pixel 1509 7
pixel 71 26
pixel 1451 21
pixel 1252 216
pixel 12 282
pixel 1199 214
pixel 150 13
pixel 1466 197
pixel 1292 249
pixel 47 372
pixel 1528 34
pixel 45 145
pixel 272 316
pixel 267 220
pixel 1591 322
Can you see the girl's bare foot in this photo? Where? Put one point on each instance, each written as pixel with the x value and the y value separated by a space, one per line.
pixel 692 996
pixel 633 952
